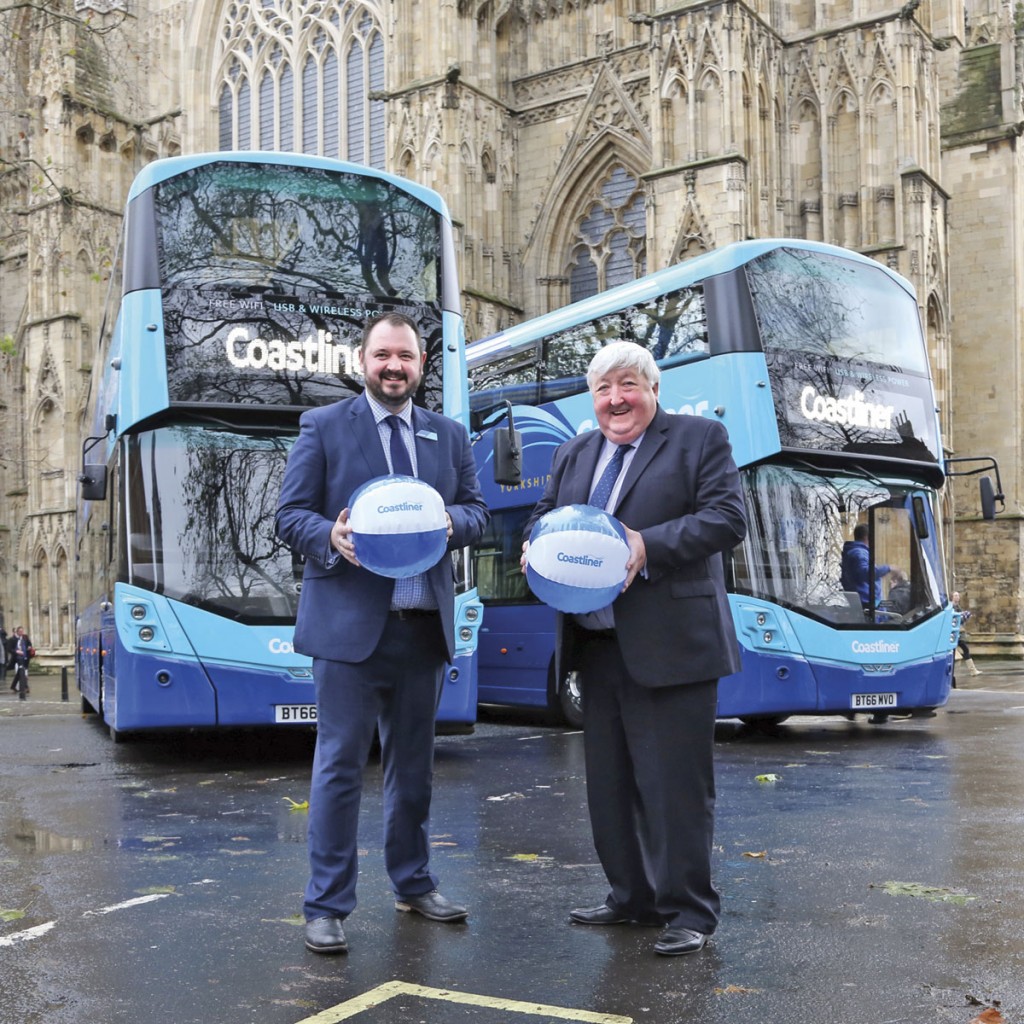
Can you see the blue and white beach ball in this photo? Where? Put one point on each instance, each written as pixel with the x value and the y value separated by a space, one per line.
pixel 398 526
pixel 576 561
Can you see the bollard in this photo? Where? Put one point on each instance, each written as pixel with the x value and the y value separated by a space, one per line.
pixel 64 682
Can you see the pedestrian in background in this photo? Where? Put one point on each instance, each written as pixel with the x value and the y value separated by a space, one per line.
pixel 650 662
pixel 962 645
pixel 22 652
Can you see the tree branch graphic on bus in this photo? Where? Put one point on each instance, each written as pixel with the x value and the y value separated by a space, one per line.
pixel 265 298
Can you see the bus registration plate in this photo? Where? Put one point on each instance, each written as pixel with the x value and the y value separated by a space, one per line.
pixel 860 701
pixel 294 713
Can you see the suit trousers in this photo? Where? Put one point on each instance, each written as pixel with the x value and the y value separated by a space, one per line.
pixel 394 691
pixel 649 755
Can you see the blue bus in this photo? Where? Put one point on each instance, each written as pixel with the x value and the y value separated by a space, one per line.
pixel 240 291
pixel 814 359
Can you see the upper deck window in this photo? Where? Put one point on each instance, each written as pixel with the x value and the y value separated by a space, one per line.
pixel 267 227
pixel 840 309
pixel 672 326
pixel 846 356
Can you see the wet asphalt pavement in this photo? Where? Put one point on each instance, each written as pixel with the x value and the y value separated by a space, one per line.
pixel 875 877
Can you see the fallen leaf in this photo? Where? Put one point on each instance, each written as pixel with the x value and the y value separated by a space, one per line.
pixel 760 854
pixel 297 920
pixel 989 1016
pixel 294 807
pixel 11 915
pixel 934 893
pixel 769 777
pixel 735 990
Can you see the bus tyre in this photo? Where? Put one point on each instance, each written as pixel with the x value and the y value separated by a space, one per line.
pixel 570 700
pixel 763 722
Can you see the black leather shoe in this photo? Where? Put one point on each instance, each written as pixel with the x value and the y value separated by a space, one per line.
pixel 325 935
pixel 432 905
pixel 676 941
pixel 598 915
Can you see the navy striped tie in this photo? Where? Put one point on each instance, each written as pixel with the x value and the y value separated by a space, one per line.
pixel 605 486
pixel 400 461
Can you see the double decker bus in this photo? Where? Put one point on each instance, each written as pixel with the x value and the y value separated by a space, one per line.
pixel 814 359
pixel 241 288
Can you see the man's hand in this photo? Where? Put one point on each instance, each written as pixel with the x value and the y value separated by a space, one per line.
pixel 637 555
pixel 341 538
pixel 522 558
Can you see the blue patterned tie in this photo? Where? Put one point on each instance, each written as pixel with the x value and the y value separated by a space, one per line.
pixel 605 486
pixel 400 461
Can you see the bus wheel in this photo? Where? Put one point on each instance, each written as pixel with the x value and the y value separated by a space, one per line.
pixel 570 700
pixel 763 721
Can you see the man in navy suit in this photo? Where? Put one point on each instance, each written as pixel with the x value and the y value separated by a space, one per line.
pixel 650 662
pixel 378 645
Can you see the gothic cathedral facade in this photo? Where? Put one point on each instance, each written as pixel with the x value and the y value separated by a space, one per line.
pixel 578 143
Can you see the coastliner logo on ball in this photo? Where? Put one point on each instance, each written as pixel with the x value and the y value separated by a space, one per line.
pixel 576 561
pixel 399 526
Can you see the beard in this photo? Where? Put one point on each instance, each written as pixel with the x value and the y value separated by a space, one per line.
pixel 392 398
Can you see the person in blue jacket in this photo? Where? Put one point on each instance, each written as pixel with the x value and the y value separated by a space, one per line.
pixel 855 566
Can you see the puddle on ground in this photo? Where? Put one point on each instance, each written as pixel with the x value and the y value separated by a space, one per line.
pixel 29 838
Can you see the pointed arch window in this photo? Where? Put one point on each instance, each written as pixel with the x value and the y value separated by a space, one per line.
pixel 609 247
pixel 300 74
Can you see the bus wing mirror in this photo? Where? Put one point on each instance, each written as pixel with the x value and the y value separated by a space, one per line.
pixel 988 497
pixel 990 492
pixel 508 453
pixel 93 480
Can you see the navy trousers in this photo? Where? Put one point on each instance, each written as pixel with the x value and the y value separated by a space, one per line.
pixel 395 690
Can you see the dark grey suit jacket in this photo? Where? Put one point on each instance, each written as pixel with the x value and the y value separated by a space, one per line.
pixel 682 493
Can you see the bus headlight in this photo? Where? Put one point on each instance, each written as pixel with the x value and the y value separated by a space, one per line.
pixel 146 633
pixel 472 613
pixel 465 634
pixel 138 611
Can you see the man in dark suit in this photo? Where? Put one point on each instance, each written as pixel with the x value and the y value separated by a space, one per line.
pixel 378 645
pixel 650 662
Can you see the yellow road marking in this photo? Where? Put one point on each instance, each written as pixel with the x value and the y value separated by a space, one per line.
pixel 376 996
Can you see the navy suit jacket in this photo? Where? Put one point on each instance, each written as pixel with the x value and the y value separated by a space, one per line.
pixel 681 492
pixel 343 608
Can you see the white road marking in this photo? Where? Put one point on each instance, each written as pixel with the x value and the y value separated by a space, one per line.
pixel 28 933
pixel 127 903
